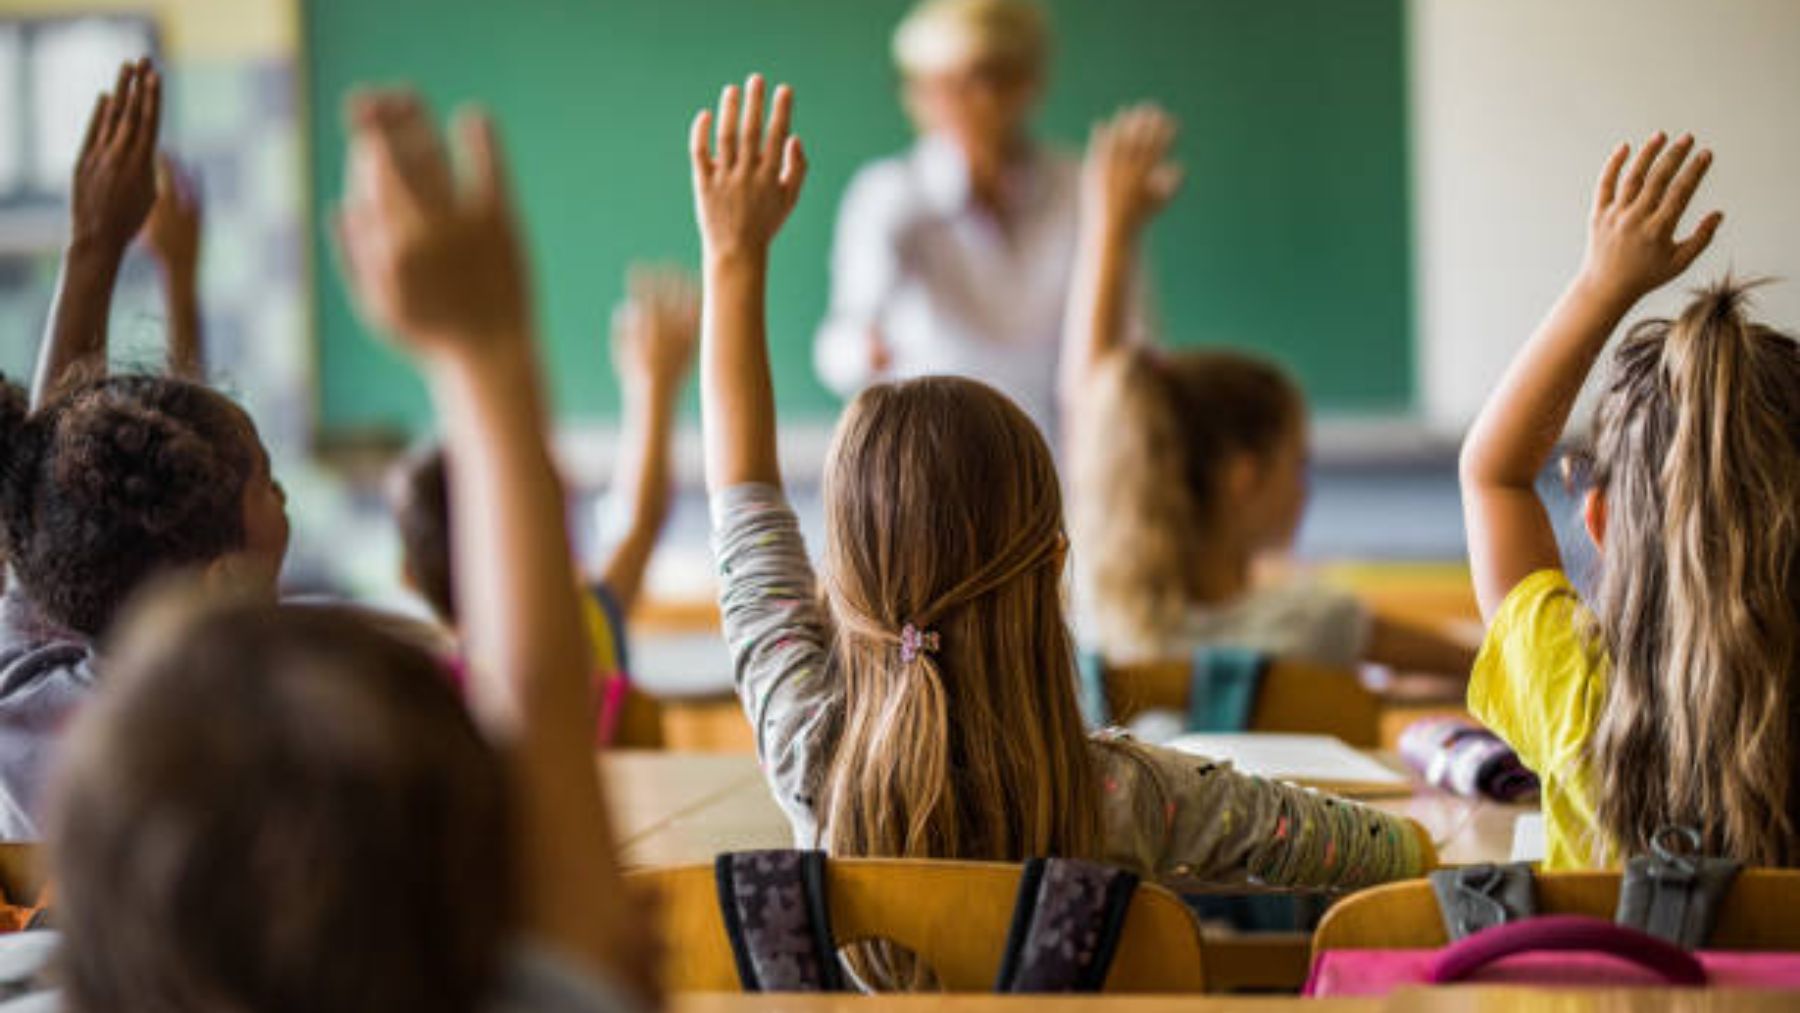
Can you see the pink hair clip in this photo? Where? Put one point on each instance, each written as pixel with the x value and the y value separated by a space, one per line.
pixel 913 640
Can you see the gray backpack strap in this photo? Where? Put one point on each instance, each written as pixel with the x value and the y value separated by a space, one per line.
pixel 1065 927
pixel 1674 892
pixel 1476 897
pixel 778 920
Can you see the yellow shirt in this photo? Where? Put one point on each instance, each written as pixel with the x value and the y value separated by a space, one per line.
pixel 1540 684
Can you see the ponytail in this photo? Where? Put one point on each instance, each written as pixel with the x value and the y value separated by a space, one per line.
pixel 1699 603
pixel 961 736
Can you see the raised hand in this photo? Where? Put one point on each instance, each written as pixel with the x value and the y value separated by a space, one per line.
pixel 1632 249
pixel 656 329
pixel 115 175
pixel 1128 176
pixel 172 231
pixel 434 260
pixel 748 179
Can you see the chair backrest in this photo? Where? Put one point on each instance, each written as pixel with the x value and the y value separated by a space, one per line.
pixel 953 915
pixel 21 877
pixel 639 724
pixel 1758 914
pixel 1295 696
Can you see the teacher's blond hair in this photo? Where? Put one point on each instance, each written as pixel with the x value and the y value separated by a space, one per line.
pixel 943 35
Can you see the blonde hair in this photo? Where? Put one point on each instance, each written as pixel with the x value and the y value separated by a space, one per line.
pixel 1146 464
pixel 1697 451
pixel 941 35
pixel 943 513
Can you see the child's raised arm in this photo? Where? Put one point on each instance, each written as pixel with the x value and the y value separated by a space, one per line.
pixel 1632 250
pixel 114 186
pixel 173 234
pixel 745 183
pixel 654 333
pixel 435 262
pixel 1126 181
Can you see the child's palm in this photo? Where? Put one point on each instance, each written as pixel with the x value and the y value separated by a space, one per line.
pixel 1129 176
pixel 748 179
pixel 433 263
pixel 657 328
pixel 1631 237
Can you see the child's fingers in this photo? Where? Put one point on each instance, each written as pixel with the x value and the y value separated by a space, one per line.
pixel 143 145
pixel 1675 201
pixel 793 170
pixel 124 128
pixel 750 130
pixel 115 105
pixel 699 134
pixel 1689 249
pixel 479 140
pixel 1657 183
pixel 89 139
pixel 1165 180
pixel 780 116
pixel 1607 187
pixel 726 143
pixel 1634 179
pixel 412 169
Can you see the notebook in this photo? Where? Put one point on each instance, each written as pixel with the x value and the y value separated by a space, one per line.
pixel 1312 761
pixel 1529 844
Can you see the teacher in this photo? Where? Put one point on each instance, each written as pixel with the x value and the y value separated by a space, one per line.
pixel 955 256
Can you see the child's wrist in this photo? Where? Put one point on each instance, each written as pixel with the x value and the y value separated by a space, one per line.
pixel 735 257
pixel 1604 291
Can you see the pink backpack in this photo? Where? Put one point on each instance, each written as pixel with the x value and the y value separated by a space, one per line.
pixel 1552 951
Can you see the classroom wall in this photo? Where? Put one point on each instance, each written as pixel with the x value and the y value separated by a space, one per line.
pixel 1514 107
pixel 1291 236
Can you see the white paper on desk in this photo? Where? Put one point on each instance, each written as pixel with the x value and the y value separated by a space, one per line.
pixel 1528 838
pixel 1304 759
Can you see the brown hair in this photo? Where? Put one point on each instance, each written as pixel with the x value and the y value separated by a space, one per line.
pixel 1147 462
pixel 1697 451
pixel 419 495
pixel 115 482
pixel 943 512
pixel 278 808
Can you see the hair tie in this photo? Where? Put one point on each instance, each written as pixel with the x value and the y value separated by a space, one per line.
pixel 914 640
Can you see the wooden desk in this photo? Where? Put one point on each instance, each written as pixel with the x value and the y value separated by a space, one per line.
pixel 1445 1000
pixel 677 808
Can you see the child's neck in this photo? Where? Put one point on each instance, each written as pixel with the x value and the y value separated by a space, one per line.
pixel 1224 574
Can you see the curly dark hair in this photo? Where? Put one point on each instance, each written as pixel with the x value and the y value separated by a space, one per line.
pixel 113 482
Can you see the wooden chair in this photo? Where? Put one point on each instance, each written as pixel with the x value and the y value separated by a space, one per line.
pixel 640 722
pixel 706 724
pixel 953 915
pixel 20 875
pixel 1293 697
pixel 1757 915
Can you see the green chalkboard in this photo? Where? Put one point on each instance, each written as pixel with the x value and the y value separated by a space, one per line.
pixel 1291 236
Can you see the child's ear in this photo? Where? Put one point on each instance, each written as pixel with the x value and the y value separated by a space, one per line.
pixel 1243 476
pixel 1593 515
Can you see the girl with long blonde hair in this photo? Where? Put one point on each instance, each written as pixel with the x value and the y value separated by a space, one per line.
pixel 1188 466
pixel 1669 699
pixel 923 704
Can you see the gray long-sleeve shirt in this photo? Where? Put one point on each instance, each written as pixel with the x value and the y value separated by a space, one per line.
pixel 1173 817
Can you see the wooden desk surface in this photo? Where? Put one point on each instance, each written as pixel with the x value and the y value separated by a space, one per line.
pixel 1442 1000
pixel 679 808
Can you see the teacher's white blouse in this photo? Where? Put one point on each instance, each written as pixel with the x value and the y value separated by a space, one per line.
pixel 946 285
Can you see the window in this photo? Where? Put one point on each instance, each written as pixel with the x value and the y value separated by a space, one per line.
pixel 51 71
